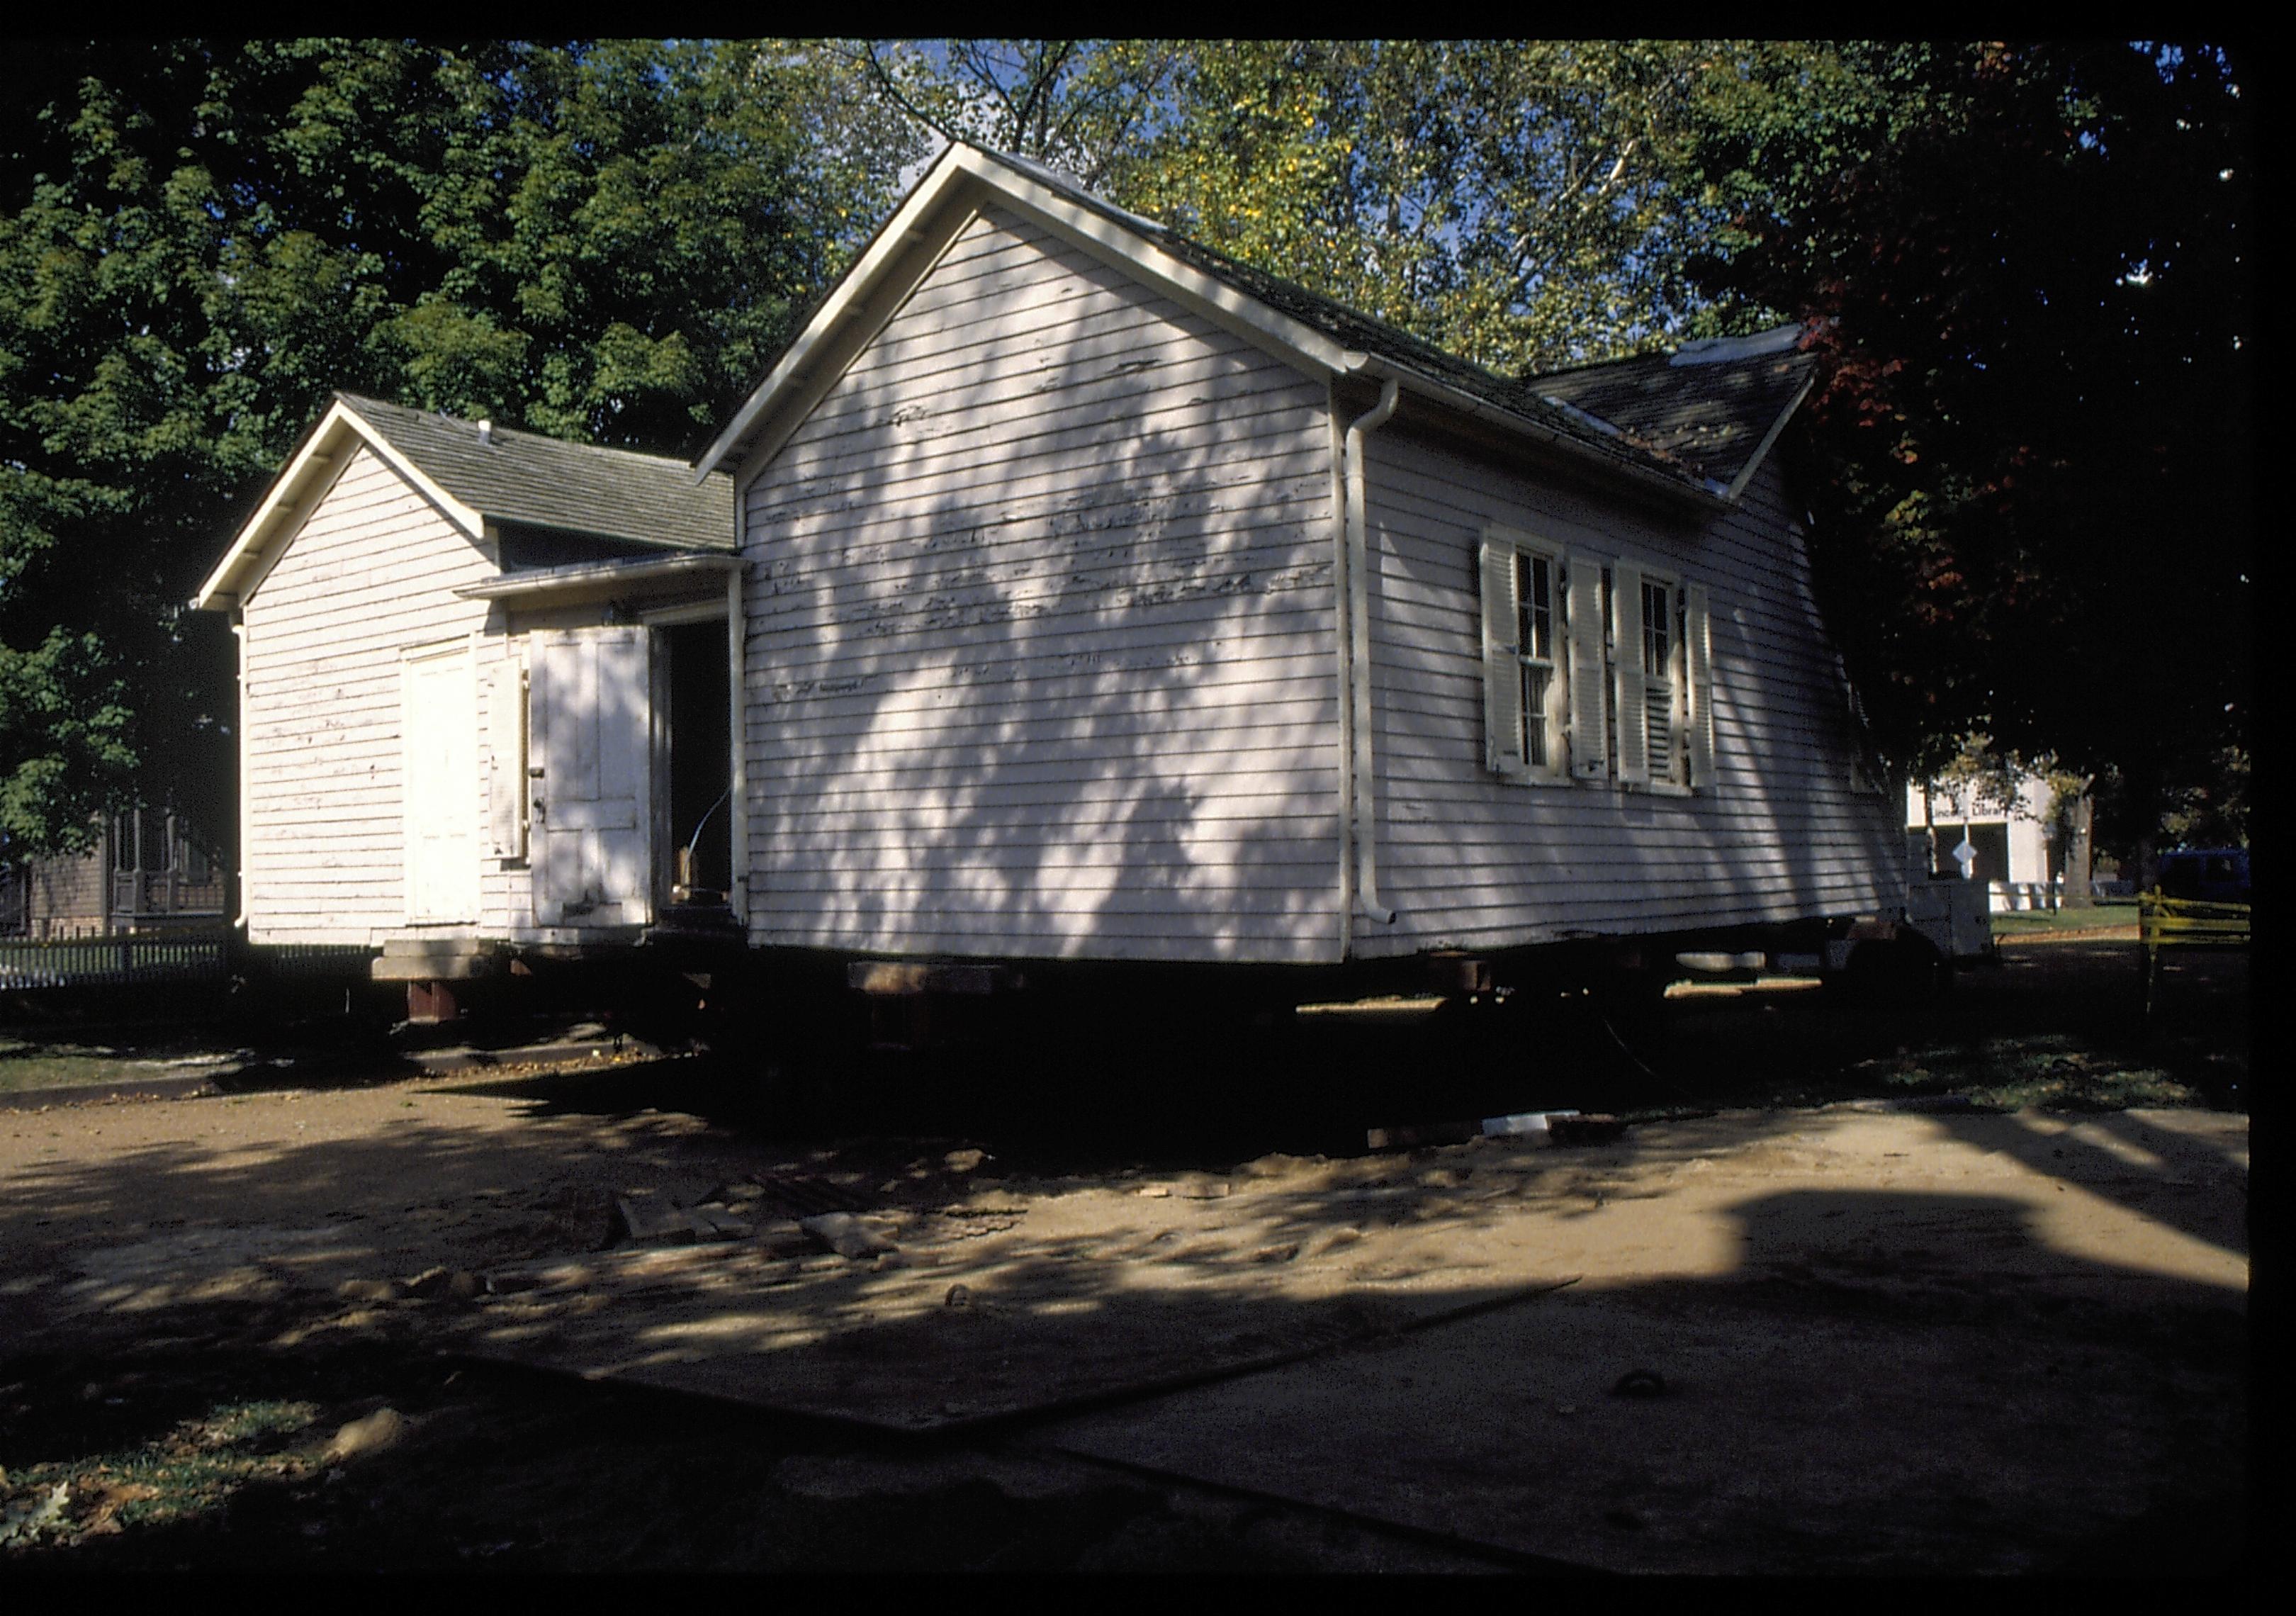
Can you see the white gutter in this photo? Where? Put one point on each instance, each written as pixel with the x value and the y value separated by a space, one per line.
pixel 1355 774
pixel 600 577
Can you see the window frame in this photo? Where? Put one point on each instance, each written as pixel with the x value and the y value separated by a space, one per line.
pixel 1585 695
pixel 1511 553
pixel 1677 679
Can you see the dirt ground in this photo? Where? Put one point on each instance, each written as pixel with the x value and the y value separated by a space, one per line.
pixel 1957 1286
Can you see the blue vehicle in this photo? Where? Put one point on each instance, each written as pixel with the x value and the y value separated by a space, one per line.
pixel 2211 874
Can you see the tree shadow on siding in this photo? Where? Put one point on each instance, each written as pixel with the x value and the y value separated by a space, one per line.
pixel 1046 734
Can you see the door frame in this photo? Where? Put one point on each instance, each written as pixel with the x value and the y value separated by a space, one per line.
pixel 468 885
pixel 728 610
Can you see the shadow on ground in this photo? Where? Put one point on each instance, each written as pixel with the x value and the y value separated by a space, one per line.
pixel 1873 1379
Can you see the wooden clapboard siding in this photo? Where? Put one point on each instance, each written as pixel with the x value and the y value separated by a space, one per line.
pixel 1469 859
pixel 369 573
pixel 1039 657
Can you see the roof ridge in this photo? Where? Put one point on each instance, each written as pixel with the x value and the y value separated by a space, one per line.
pixel 1584 365
pixel 367 401
pixel 1673 356
pixel 1190 244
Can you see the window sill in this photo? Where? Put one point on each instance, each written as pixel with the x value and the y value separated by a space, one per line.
pixel 1537 780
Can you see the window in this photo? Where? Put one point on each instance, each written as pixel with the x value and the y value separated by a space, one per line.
pixel 1651 682
pixel 1593 672
pixel 1525 691
pixel 1866 773
pixel 141 841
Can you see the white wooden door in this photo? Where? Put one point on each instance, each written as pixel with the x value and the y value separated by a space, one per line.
pixel 440 733
pixel 592 777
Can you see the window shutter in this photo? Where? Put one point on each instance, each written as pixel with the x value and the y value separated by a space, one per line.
pixel 1587 758
pixel 506 760
pixel 1502 673
pixel 1634 729
pixel 1863 776
pixel 1698 687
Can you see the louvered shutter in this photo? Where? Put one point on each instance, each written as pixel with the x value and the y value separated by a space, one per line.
pixel 1698 688
pixel 1588 760
pixel 1502 673
pixel 1633 696
pixel 1862 776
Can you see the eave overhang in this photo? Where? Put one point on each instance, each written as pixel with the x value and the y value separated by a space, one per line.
pixel 323 452
pixel 586 581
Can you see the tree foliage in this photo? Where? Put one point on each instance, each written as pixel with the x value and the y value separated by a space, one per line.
pixel 2028 272
pixel 1522 203
pixel 2031 443
pixel 198 243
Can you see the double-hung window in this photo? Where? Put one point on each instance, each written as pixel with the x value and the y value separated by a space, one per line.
pixel 1594 671
pixel 1525 690
pixel 1648 678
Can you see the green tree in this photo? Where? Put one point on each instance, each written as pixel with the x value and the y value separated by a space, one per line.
pixel 198 243
pixel 1525 204
pixel 2030 446
pixel 1075 104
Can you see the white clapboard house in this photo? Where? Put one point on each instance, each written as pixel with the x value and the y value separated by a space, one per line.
pixel 1067 592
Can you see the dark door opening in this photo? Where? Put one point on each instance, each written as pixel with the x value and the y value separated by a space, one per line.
pixel 701 763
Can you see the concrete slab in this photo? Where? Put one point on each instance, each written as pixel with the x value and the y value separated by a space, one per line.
pixel 933 1347
pixel 1843 1444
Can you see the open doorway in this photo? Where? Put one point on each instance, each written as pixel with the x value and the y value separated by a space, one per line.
pixel 699 859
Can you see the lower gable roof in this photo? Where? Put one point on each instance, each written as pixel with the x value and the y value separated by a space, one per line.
pixel 476 473
pixel 547 482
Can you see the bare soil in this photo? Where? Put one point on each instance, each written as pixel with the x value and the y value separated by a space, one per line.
pixel 1949 1286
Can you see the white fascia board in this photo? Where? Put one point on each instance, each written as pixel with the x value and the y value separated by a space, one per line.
pixel 318 457
pixel 891 241
pixel 1300 344
pixel 583 575
pixel 318 453
pixel 1769 441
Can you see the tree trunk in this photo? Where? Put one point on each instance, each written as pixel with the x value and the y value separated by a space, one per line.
pixel 2078 895
pixel 2144 806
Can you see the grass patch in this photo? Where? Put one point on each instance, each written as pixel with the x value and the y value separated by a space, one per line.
pixel 191 1471
pixel 2047 1072
pixel 30 1063
pixel 2045 923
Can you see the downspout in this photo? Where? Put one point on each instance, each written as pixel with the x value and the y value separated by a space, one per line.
pixel 737 806
pixel 1354 756
pixel 246 815
pixel 1343 672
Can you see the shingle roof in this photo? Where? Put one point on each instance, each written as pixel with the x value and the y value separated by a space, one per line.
pixel 1710 406
pixel 523 477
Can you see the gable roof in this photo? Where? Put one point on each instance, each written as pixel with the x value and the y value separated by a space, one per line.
pixel 1716 406
pixel 1312 332
pixel 474 474
pixel 579 487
